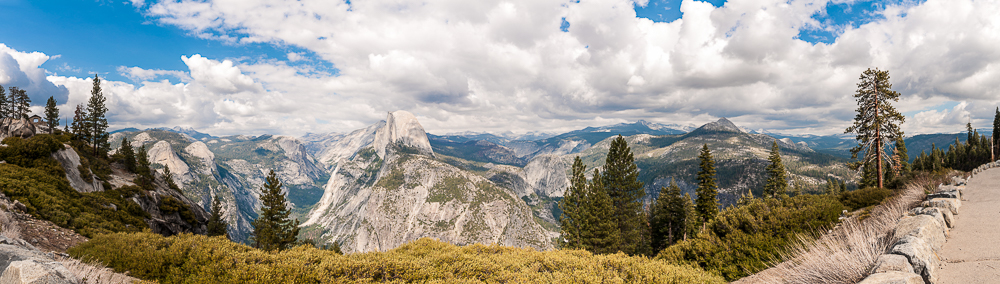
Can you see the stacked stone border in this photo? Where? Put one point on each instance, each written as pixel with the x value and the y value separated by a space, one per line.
pixel 921 233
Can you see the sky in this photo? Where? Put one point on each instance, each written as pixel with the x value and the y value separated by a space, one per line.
pixel 286 67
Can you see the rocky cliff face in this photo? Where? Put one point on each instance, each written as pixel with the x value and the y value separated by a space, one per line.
pixel 234 169
pixel 396 191
pixel 402 130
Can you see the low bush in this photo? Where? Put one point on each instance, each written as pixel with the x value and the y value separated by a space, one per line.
pixel 188 258
pixel 864 197
pixel 745 239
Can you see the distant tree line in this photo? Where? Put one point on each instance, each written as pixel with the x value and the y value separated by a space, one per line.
pixel 977 150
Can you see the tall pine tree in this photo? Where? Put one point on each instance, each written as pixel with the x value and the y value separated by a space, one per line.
pixel 52 114
pixel 621 179
pixel 4 104
pixel 273 229
pixel 600 230
pixel 128 154
pixel 777 184
pixel 20 103
pixel 79 125
pixel 96 120
pixel 216 226
pixel 877 121
pixel 143 172
pixel 996 135
pixel 573 205
pixel 707 203
pixel 691 218
pixel 904 157
pixel 667 218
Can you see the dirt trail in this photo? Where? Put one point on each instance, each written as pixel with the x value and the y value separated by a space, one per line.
pixel 972 253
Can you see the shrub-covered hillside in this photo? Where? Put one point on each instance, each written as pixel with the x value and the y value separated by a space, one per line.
pixel 31 176
pixel 190 258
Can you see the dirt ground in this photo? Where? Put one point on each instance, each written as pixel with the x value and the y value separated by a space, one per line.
pixel 45 235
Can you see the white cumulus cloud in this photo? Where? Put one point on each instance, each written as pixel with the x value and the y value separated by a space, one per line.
pixel 506 65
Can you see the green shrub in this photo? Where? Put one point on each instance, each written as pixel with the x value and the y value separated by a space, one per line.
pixel 190 258
pixel 170 205
pixel 51 198
pixel 864 197
pixel 745 239
pixel 85 173
pixel 35 152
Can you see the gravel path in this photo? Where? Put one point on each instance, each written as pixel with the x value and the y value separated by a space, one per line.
pixel 972 253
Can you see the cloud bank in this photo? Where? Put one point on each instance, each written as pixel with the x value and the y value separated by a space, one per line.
pixel 508 65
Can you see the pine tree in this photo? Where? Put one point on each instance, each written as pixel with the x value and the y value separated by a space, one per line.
pixel 667 218
pixel 273 229
pixel 707 203
pixel 691 218
pixel 904 157
pixel 935 158
pixel 968 128
pixel 877 121
pixel 128 154
pixel 79 126
pixel 96 120
pixel 143 172
pixel 832 187
pixel 776 177
pixel 216 226
pixel 621 179
pixel 169 178
pixel 996 135
pixel 4 104
pixel 20 103
pixel 572 206
pixel 600 233
pixel 52 114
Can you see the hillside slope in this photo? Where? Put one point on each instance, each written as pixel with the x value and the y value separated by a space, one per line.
pixel 234 169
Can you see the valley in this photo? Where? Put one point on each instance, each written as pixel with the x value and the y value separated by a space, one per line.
pixel 381 186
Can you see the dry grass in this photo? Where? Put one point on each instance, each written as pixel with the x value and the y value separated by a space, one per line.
pixel 849 251
pixel 96 274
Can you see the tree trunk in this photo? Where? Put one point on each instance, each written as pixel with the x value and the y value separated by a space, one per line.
pixel 878 135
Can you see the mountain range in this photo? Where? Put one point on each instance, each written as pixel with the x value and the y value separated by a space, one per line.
pixel 378 187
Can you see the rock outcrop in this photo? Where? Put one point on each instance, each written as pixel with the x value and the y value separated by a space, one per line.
pixel 70 162
pixel 162 153
pixel 22 263
pixel 402 129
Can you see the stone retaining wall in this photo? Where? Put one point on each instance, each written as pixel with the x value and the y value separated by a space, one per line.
pixel 922 233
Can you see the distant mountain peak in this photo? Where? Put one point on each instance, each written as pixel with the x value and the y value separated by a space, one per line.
pixel 721 125
pixel 403 128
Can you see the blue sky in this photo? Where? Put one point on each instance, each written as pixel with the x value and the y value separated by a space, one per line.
pixel 95 36
pixel 515 65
